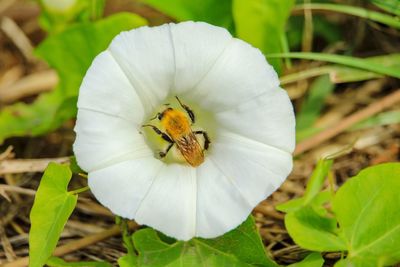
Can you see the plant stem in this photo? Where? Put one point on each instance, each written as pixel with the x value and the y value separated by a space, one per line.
pixel 80 190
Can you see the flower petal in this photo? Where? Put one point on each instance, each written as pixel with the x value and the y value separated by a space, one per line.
pixel 240 73
pixel 197 46
pixel 268 119
pixel 145 55
pixel 170 205
pixel 106 89
pixel 256 169
pixel 121 187
pixel 220 205
pixel 102 139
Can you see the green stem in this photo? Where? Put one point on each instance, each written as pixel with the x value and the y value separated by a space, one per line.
pixel 126 235
pixel 305 74
pixel 80 190
pixel 359 63
pixel 354 11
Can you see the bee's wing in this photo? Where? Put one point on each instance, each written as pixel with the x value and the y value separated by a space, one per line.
pixel 190 149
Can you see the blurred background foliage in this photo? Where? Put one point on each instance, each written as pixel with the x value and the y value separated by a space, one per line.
pixel 339 61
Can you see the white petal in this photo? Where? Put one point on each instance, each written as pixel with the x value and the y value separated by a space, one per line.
pixel 170 204
pixel 197 46
pixel 102 139
pixel 105 88
pixel 145 55
pixel 220 205
pixel 122 187
pixel 240 73
pixel 256 169
pixel 268 119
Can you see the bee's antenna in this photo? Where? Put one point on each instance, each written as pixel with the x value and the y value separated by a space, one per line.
pixel 155 116
pixel 177 98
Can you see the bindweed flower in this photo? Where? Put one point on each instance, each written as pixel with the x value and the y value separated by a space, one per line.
pixel 183 128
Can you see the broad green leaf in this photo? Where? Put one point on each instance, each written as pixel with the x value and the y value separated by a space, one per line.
pixel 262 24
pixel 312 195
pixel 70 53
pixel 312 231
pixel 355 11
pixel 240 247
pixel 217 12
pixel 127 261
pixel 344 263
pixel 320 89
pixel 359 63
pixel 316 203
pixel 391 6
pixel 51 209
pixel 244 242
pixel 153 252
pixel 312 260
pixel 367 210
pixel 57 262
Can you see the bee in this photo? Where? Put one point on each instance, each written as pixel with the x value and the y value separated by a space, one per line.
pixel 178 132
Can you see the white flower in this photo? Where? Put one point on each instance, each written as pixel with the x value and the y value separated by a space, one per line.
pixel 237 100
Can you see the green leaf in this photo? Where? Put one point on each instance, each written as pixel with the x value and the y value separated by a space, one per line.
pixel 316 203
pixel 217 12
pixel 127 261
pixel 239 247
pixel 341 74
pixel 367 209
pixel 262 24
pixel 312 195
pixel 70 53
pixel 359 63
pixel 73 165
pixel 354 11
pixel 51 209
pixel 312 231
pixel 244 242
pixel 317 179
pixel 320 89
pixel 391 6
pixel 57 262
pixel 384 118
pixel 312 260
pixel 153 252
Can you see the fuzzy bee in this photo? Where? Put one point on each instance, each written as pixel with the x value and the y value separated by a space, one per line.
pixel 179 132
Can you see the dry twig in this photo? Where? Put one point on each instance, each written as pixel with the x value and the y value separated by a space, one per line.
pixel 30 85
pixel 76 244
pixel 365 113
pixel 28 165
pixel 14 32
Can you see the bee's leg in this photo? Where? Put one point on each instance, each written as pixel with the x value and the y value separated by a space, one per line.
pixel 164 153
pixel 160 133
pixel 206 138
pixel 188 110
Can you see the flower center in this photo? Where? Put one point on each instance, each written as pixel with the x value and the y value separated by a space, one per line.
pixel 180 132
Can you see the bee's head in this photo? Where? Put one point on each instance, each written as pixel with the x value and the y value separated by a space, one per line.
pixel 161 114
